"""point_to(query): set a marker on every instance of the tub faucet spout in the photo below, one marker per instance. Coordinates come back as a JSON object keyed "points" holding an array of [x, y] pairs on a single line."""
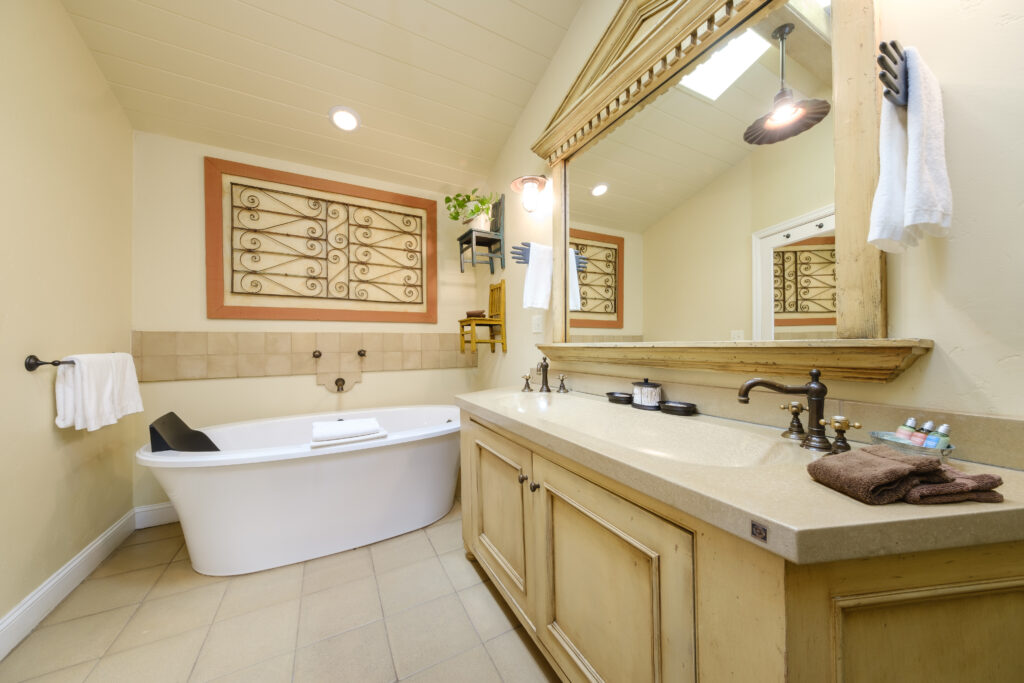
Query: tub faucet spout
{"points": [[815, 392]]}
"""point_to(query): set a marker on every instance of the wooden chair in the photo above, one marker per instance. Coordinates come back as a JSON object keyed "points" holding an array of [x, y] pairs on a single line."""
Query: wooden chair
{"points": [[494, 322]]}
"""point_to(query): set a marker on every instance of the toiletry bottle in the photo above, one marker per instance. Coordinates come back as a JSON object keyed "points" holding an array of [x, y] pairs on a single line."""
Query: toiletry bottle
{"points": [[921, 433], [907, 428], [939, 438]]}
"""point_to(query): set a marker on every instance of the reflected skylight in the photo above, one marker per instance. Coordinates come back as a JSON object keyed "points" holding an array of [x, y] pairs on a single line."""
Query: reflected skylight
{"points": [[713, 77]]}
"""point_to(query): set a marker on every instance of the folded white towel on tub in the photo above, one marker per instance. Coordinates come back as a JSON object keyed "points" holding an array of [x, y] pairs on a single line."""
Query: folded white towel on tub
{"points": [[345, 429], [352, 439]]}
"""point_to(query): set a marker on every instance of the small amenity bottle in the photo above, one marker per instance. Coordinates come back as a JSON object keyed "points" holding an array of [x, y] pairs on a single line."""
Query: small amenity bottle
{"points": [[922, 432], [907, 428], [939, 438]]}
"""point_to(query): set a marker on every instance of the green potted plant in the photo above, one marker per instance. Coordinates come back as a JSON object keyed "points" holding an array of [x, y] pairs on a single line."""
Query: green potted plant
{"points": [[471, 208]]}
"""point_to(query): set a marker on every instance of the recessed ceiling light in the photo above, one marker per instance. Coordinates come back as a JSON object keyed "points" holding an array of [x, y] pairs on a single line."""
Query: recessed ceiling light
{"points": [[599, 190], [344, 118], [714, 76]]}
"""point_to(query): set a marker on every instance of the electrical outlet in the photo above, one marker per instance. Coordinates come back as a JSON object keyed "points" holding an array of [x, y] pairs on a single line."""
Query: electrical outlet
{"points": [[736, 335], [538, 323]]}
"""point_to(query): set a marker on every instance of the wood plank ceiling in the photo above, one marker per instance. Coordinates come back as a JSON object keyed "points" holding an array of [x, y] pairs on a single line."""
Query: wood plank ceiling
{"points": [[438, 84]]}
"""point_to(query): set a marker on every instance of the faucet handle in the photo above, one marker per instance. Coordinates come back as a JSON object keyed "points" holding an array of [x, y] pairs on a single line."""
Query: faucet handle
{"points": [[526, 386], [794, 407], [839, 423]]}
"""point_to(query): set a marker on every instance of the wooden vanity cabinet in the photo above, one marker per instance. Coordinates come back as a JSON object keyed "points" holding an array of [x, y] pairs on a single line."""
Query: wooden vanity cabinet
{"points": [[605, 586], [615, 586]]}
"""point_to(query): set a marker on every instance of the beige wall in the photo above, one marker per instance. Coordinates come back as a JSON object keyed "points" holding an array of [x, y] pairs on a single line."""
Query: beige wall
{"points": [[516, 159], [66, 185], [698, 268], [169, 294]]}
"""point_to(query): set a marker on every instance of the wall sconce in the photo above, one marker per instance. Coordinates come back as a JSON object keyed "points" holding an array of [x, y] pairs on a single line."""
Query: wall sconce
{"points": [[530, 186]]}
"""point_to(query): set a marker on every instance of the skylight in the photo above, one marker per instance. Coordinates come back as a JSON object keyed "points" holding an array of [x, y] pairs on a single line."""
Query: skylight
{"points": [[714, 76]]}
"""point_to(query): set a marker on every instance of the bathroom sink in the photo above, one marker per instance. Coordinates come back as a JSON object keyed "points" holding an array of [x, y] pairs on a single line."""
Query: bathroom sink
{"points": [[698, 440]]}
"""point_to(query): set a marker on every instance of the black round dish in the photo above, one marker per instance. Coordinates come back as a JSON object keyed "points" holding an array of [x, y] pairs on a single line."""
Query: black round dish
{"points": [[620, 397], [643, 407], [678, 408]]}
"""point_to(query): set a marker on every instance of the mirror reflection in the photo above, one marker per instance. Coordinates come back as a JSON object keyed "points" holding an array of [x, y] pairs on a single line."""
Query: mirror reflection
{"points": [[692, 233]]}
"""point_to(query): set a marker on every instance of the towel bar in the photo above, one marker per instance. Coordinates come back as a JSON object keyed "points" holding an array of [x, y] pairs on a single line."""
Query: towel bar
{"points": [[521, 255], [32, 362]]}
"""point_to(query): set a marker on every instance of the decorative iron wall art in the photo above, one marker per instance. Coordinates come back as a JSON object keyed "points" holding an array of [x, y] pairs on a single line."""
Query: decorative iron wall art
{"points": [[285, 246], [804, 278], [601, 281]]}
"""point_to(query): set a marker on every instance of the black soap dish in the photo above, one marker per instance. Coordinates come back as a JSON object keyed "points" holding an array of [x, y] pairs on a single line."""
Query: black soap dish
{"points": [[678, 408], [619, 397]]}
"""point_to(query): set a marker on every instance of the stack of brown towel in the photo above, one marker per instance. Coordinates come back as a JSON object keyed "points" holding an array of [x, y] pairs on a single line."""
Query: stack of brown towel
{"points": [[878, 475]]}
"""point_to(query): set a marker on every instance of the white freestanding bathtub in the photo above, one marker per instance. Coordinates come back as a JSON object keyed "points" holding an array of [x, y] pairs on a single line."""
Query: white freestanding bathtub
{"points": [[268, 499]]}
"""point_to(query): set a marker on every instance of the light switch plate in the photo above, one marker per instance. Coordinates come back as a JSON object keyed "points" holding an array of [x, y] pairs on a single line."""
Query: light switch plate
{"points": [[736, 335], [538, 323]]}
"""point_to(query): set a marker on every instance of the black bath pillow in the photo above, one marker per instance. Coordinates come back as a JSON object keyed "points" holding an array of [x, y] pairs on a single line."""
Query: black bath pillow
{"points": [[170, 433]]}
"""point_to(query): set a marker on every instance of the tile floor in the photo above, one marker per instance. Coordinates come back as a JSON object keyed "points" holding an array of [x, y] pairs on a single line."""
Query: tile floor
{"points": [[409, 608]]}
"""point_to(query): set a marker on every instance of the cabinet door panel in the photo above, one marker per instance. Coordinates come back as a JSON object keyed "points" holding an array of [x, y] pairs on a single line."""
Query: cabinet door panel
{"points": [[499, 473], [615, 597]]}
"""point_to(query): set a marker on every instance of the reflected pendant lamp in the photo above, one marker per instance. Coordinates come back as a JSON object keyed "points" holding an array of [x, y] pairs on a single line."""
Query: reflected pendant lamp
{"points": [[787, 117]]}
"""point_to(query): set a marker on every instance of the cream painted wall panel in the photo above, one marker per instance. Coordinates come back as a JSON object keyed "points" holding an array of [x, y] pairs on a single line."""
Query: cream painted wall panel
{"points": [[515, 160], [967, 292], [66, 186], [169, 256], [169, 247], [333, 144], [539, 26], [214, 138]]}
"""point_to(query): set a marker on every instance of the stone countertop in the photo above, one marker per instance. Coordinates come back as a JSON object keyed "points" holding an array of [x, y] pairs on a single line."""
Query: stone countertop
{"points": [[730, 473]]}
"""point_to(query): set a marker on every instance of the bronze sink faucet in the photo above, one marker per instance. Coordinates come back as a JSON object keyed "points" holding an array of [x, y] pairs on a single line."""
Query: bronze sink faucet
{"points": [[815, 392]]}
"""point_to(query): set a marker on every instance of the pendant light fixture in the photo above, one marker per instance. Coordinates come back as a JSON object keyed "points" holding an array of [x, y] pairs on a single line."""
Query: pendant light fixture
{"points": [[787, 117]]}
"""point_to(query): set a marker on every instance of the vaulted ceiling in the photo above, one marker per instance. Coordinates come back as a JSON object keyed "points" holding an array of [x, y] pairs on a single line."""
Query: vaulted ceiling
{"points": [[438, 84]]}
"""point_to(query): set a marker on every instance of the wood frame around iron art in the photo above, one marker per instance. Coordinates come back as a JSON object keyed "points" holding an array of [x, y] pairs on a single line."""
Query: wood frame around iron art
{"points": [[620, 245], [642, 53], [216, 307]]}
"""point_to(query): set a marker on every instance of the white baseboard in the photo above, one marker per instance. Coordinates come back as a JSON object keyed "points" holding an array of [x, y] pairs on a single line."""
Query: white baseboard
{"points": [[20, 621], [155, 515]]}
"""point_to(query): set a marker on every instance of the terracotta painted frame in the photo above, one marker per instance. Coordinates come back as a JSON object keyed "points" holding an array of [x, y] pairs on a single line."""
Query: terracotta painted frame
{"points": [[214, 168], [620, 243]]}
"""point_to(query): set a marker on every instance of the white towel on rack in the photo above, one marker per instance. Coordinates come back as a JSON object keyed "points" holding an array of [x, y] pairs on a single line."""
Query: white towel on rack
{"points": [[97, 390], [537, 288], [913, 193], [575, 302], [345, 429]]}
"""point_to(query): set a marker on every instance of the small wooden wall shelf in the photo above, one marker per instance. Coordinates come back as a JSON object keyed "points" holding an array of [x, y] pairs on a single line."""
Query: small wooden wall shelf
{"points": [[859, 360]]}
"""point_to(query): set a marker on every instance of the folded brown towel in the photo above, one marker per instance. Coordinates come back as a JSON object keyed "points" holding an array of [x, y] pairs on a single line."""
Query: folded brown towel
{"points": [[975, 487], [876, 474]]}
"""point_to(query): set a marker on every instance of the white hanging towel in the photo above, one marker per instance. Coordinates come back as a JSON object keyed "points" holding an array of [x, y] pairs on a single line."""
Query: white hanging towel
{"points": [[575, 303], [537, 288], [345, 429], [913, 193], [97, 390]]}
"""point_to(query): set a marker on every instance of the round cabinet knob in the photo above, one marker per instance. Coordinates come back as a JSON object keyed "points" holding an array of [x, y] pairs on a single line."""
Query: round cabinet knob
{"points": [[522, 478], [534, 486]]}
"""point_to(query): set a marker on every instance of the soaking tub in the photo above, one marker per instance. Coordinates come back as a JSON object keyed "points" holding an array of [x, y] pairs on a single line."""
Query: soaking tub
{"points": [[268, 498]]}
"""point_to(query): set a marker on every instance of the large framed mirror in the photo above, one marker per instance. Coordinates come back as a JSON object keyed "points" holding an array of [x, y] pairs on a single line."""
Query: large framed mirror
{"points": [[722, 241]]}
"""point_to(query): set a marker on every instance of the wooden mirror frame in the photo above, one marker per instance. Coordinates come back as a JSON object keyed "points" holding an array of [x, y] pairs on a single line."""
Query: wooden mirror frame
{"points": [[640, 56]]}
